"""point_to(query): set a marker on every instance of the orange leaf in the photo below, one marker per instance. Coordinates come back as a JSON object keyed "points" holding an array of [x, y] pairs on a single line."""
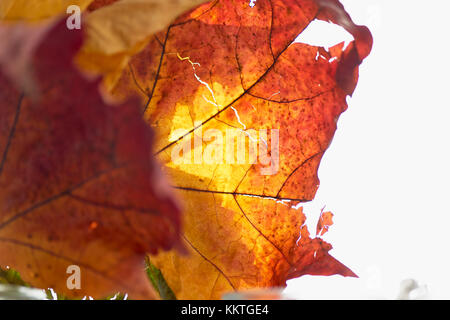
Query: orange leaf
{"points": [[227, 66], [116, 30], [78, 183], [324, 223]]}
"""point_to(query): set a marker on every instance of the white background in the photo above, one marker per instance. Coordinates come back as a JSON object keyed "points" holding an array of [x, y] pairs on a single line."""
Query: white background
{"points": [[386, 175]]}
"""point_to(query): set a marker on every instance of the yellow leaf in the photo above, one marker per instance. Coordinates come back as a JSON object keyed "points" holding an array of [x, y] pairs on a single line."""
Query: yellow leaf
{"points": [[34, 10], [120, 30]]}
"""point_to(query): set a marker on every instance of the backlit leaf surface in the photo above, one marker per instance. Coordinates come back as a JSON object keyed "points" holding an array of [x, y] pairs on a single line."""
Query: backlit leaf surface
{"points": [[230, 66], [78, 182]]}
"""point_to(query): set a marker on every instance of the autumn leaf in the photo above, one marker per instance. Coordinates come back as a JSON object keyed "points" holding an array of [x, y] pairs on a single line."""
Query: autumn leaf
{"points": [[225, 66], [78, 183], [230, 67], [119, 25], [116, 30], [36, 10], [97, 4]]}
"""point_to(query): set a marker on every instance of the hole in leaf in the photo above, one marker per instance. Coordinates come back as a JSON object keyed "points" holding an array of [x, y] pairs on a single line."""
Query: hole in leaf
{"points": [[324, 34]]}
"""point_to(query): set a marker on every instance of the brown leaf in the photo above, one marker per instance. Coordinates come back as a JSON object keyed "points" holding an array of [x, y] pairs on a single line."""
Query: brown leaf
{"points": [[35, 10], [78, 183], [324, 223]]}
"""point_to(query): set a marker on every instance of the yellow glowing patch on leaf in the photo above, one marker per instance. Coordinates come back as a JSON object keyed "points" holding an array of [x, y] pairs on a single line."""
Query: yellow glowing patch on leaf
{"points": [[180, 126], [95, 195], [236, 68]]}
